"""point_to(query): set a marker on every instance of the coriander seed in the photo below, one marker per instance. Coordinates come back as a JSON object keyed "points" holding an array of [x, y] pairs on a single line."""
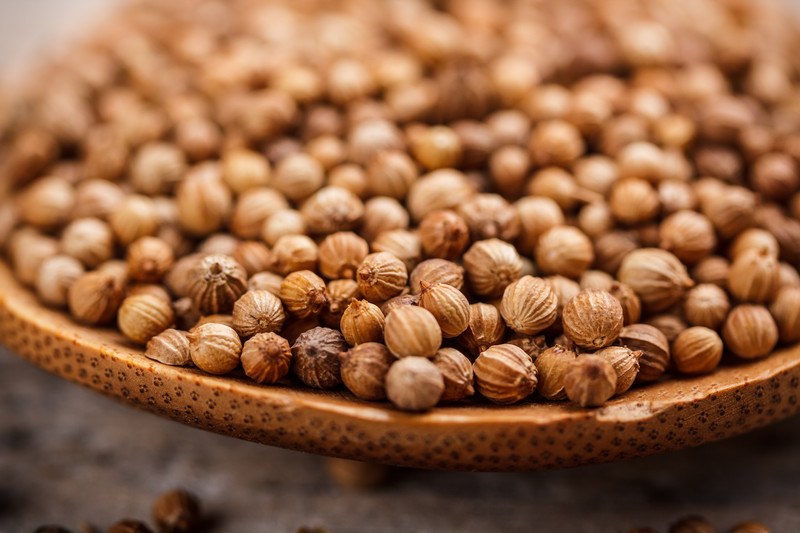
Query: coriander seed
{"points": [[564, 250], [292, 253], [340, 254], [657, 276], [215, 348], [170, 347], [404, 244], [631, 305], [149, 259], [362, 322], [303, 294], [215, 283], [491, 266], [457, 373], [448, 305], [706, 305], [144, 316], [414, 384], [443, 234], [364, 368], [95, 297], [54, 278], [529, 305], [257, 312], [697, 350], [785, 310], [89, 240], [504, 374], [266, 357], [653, 346], [552, 366], [754, 276], [590, 380], [750, 331], [381, 276], [626, 364], [436, 271], [486, 328], [316, 357], [593, 319], [412, 331]]}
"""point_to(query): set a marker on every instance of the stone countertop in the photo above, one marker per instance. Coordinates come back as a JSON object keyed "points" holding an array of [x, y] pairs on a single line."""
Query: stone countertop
{"points": [[69, 455]]}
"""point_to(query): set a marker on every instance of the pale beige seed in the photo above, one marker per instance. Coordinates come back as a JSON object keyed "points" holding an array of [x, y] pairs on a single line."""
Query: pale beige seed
{"points": [[750, 331], [303, 294], [149, 259], [564, 250], [215, 348], [537, 214], [143, 316], [786, 311], [381, 276], [170, 347], [364, 368], [332, 209], [697, 350], [382, 214], [362, 322], [95, 297], [457, 373], [491, 266], [754, 276], [282, 223], [485, 329], [412, 331], [654, 348], [631, 305], [414, 384], [253, 208], [292, 253], [436, 271], [593, 319], [340, 254], [404, 244], [89, 240], [258, 311], [689, 235], [590, 381], [204, 201], [657, 276], [706, 305], [626, 364], [504, 374], [529, 305], [490, 216], [448, 305], [552, 366], [754, 239], [55, 277], [441, 189]]}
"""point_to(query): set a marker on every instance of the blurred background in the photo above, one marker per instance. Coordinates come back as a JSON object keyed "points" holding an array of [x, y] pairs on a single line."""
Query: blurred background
{"points": [[70, 456]]}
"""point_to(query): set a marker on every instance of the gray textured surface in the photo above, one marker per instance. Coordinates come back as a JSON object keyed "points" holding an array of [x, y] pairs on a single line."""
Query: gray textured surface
{"points": [[69, 455]]}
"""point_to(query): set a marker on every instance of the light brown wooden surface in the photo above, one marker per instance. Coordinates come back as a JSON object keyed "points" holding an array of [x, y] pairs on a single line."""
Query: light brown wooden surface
{"points": [[665, 416]]}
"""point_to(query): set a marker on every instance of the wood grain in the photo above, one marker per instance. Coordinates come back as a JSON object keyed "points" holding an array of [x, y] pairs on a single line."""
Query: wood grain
{"points": [[670, 415]]}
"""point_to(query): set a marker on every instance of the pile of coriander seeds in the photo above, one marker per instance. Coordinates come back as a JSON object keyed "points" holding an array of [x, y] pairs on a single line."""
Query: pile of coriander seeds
{"points": [[419, 201]]}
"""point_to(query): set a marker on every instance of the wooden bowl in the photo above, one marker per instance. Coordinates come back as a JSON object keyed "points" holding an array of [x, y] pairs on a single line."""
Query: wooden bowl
{"points": [[670, 415]]}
